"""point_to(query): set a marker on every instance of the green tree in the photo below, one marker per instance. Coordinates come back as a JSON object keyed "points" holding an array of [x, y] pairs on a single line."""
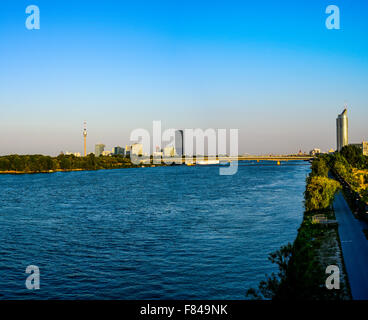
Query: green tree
{"points": [[319, 167], [5, 164], [354, 156], [320, 192]]}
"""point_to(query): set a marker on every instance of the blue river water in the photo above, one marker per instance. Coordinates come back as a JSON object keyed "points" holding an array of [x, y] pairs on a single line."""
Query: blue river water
{"points": [[147, 233]]}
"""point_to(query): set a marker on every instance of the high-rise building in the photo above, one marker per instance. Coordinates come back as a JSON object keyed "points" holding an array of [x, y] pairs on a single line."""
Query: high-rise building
{"points": [[342, 130], [118, 151], [179, 142], [99, 149]]}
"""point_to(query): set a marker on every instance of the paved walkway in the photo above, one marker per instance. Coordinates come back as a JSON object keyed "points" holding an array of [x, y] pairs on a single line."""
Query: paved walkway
{"points": [[354, 248]]}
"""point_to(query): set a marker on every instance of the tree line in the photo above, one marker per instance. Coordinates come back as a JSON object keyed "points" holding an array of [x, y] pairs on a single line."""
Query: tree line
{"points": [[301, 275], [41, 163]]}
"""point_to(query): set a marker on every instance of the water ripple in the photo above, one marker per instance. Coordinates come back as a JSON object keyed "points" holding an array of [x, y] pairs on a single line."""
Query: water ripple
{"points": [[153, 233]]}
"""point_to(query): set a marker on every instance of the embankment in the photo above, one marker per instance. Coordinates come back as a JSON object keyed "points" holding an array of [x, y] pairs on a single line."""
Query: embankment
{"points": [[302, 264]]}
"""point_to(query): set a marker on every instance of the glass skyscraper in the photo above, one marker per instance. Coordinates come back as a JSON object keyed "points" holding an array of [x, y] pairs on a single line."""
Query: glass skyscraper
{"points": [[342, 130], [179, 142], [99, 148]]}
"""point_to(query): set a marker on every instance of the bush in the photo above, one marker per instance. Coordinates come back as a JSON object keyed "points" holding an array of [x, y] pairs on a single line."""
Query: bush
{"points": [[354, 156], [319, 168], [320, 193]]}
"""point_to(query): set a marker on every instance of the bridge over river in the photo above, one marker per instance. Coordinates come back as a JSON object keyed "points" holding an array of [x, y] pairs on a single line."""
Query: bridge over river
{"points": [[268, 158], [278, 159]]}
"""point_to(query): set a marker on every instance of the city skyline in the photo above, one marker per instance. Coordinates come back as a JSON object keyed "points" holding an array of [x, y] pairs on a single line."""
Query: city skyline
{"points": [[342, 134], [280, 77]]}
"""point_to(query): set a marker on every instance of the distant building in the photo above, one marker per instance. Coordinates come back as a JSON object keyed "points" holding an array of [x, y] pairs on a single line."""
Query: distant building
{"points": [[179, 142], [99, 148], [314, 152], [127, 150], [363, 146], [136, 149], [169, 151], [342, 130], [106, 153], [118, 151], [76, 154], [157, 154]]}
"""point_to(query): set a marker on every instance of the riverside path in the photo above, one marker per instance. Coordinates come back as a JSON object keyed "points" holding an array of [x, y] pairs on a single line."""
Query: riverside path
{"points": [[354, 248]]}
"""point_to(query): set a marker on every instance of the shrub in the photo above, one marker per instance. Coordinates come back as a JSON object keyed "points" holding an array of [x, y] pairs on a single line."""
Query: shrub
{"points": [[320, 193], [319, 168]]}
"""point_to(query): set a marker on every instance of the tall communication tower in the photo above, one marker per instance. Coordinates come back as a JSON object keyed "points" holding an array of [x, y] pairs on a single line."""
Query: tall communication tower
{"points": [[85, 138]]}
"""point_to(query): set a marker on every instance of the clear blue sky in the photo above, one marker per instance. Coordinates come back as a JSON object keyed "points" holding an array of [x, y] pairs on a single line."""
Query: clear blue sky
{"points": [[269, 68]]}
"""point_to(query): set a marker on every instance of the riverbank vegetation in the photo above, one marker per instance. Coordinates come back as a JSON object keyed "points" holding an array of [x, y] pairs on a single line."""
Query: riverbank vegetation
{"points": [[352, 166], [41, 163], [301, 266]]}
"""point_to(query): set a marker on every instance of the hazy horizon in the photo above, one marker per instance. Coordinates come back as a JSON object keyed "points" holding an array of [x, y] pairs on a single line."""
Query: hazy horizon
{"points": [[273, 71]]}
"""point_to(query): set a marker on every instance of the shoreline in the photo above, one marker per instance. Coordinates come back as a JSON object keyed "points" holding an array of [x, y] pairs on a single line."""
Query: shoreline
{"points": [[12, 172], [319, 239], [302, 263], [34, 172], [128, 166]]}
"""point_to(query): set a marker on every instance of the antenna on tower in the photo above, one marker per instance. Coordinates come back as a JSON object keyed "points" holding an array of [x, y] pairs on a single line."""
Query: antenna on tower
{"points": [[345, 105]]}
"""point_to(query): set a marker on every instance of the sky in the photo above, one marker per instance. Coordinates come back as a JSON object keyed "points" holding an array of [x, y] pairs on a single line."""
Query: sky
{"points": [[268, 68]]}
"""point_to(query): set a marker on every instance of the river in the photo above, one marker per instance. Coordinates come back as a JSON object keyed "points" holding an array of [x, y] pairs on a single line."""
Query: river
{"points": [[147, 233]]}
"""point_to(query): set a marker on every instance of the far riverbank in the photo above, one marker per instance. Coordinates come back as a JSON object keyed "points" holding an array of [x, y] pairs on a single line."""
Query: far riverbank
{"points": [[30, 164]]}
